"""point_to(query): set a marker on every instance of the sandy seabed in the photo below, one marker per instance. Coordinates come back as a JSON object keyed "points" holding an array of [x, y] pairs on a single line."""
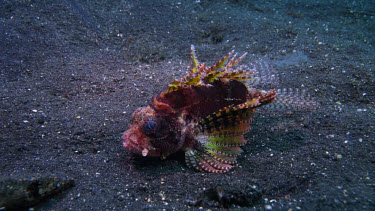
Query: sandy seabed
{"points": [[72, 73]]}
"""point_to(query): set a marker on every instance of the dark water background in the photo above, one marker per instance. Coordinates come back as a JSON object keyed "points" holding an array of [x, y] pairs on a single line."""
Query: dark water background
{"points": [[72, 72]]}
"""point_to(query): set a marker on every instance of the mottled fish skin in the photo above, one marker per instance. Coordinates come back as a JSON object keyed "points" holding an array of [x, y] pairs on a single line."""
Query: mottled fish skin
{"points": [[18, 194], [205, 114]]}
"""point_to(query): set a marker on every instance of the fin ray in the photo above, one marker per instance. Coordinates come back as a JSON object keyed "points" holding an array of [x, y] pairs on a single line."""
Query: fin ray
{"points": [[294, 99], [200, 75], [220, 136]]}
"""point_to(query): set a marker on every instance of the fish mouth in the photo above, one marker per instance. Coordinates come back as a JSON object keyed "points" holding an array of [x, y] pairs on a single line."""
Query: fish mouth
{"points": [[137, 143]]}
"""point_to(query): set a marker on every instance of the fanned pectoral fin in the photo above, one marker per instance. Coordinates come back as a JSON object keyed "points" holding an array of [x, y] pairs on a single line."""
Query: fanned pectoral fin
{"points": [[202, 160], [293, 99], [215, 156], [220, 136]]}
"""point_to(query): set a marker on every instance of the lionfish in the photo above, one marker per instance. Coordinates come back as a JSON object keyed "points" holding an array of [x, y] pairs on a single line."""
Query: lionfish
{"points": [[205, 114]]}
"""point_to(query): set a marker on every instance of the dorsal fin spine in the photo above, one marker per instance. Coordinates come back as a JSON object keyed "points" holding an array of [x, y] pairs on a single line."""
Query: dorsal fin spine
{"points": [[194, 61]]}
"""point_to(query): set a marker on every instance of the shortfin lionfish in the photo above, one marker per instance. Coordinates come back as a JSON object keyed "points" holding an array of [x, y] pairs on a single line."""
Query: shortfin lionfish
{"points": [[205, 114]]}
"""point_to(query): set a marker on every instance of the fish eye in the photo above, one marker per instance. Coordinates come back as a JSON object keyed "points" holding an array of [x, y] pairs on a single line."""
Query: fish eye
{"points": [[149, 127]]}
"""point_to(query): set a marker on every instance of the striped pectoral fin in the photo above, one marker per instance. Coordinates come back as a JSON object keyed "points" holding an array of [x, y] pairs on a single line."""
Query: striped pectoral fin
{"points": [[231, 120], [219, 138], [214, 156], [267, 97], [293, 99], [205, 161]]}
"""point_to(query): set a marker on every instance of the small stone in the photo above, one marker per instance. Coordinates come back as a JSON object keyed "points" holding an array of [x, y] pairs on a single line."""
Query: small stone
{"points": [[337, 156]]}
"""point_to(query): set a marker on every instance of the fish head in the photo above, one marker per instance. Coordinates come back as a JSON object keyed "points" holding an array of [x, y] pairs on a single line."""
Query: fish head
{"points": [[145, 133]]}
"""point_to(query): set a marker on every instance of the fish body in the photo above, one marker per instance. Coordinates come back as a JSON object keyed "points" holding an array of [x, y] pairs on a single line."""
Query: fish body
{"points": [[25, 193], [205, 114]]}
